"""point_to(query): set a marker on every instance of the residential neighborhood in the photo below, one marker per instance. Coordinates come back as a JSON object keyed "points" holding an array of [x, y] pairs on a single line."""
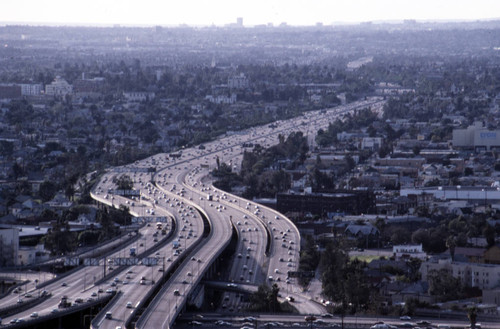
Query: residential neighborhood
{"points": [[404, 195]]}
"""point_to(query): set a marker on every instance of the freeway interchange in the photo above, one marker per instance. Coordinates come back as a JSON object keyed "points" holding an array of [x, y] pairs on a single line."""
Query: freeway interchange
{"points": [[164, 263]]}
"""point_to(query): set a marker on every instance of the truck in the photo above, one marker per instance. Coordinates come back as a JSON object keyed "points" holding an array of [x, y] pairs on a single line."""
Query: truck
{"points": [[175, 244], [132, 251]]}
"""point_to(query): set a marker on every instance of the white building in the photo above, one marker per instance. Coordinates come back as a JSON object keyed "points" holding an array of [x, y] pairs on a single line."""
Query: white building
{"points": [[138, 96], [31, 89], [409, 251], [476, 137], [371, 143], [483, 276], [238, 82], [59, 87], [32, 255], [221, 99]]}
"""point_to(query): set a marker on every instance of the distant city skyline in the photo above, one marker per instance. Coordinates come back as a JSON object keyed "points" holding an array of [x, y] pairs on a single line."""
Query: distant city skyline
{"points": [[256, 12]]}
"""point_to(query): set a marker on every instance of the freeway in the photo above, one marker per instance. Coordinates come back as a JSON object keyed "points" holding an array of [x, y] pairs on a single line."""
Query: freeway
{"points": [[283, 251], [270, 240], [188, 233]]}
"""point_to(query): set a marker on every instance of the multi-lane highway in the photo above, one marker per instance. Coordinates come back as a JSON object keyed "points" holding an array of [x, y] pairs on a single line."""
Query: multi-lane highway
{"points": [[179, 190]]}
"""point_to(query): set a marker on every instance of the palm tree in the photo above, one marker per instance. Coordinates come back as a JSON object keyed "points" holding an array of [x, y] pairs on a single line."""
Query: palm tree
{"points": [[451, 244], [472, 315]]}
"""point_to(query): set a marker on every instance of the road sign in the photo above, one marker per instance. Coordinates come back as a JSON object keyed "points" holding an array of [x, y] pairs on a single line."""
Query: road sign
{"points": [[74, 261], [91, 262], [128, 261], [149, 261]]}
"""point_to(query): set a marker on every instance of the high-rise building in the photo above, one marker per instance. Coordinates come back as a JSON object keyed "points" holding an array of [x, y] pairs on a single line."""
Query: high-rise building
{"points": [[239, 21]]}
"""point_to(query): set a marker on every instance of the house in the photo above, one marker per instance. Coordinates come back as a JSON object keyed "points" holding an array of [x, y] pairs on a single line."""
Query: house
{"points": [[471, 255], [371, 143], [492, 255], [417, 290], [59, 202], [366, 232]]}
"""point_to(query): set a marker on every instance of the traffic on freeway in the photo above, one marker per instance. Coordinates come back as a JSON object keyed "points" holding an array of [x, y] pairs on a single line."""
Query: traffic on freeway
{"points": [[176, 194]]}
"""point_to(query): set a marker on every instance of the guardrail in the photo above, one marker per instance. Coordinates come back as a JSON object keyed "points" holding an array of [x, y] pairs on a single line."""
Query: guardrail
{"points": [[199, 277], [115, 297]]}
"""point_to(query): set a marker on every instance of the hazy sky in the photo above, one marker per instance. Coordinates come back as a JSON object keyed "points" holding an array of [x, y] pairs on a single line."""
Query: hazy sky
{"points": [[221, 12]]}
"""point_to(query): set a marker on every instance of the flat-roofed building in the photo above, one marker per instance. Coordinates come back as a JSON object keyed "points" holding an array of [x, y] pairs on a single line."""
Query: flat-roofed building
{"points": [[476, 137], [483, 276]]}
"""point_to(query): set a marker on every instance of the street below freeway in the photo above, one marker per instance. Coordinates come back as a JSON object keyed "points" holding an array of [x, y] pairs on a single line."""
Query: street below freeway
{"points": [[207, 320]]}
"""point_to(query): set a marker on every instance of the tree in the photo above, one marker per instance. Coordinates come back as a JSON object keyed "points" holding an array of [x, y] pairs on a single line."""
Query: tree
{"points": [[47, 190], [17, 170], [472, 315], [489, 234], [451, 244], [444, 286], [124, 182], [60, 240]]}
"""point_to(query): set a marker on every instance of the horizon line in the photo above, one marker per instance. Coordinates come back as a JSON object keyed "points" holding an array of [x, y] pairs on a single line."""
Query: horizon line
{"points": [[233, 24]]}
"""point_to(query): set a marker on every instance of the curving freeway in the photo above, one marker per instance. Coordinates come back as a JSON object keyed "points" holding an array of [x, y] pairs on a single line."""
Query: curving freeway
{"points": [[178, 193]]}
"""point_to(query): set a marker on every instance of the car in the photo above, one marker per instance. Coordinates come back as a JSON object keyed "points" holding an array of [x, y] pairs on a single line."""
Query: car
{"points": [[195, 323], [424, 323], [28, 295], [327, 315], [129, 305], [108, 315], [176, 292], [405, 318], [109, 291], [34, 315], [64, 284], [290, 299], [184, 282]]}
